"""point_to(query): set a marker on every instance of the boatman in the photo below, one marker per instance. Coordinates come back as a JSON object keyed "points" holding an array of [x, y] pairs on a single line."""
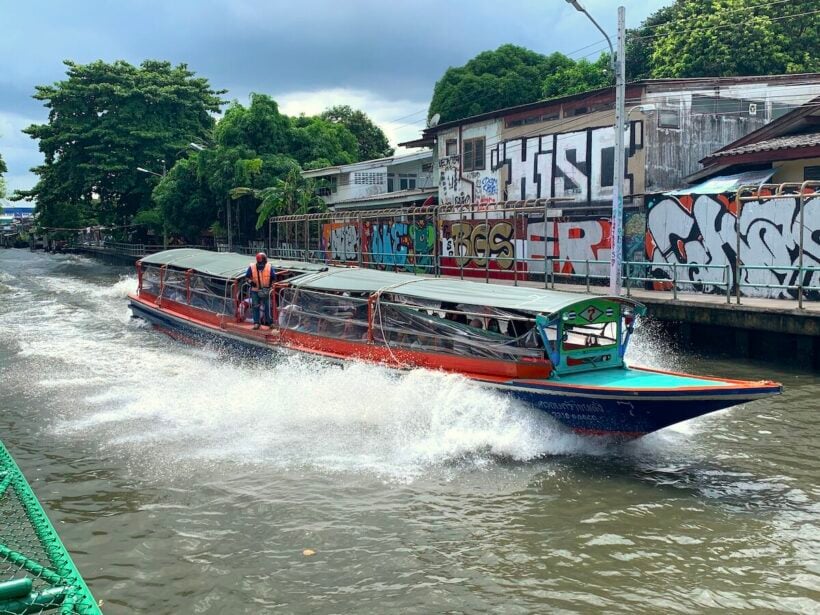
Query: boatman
{"points": [[262, 276]]}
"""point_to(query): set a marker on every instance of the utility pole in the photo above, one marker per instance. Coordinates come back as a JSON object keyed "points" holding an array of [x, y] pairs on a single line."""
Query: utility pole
{"points": [[617, 231], [616, 238]]}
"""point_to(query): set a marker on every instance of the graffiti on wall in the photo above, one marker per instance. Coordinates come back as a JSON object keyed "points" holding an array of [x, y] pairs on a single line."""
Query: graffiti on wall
{"points": [[387, 244], [703, 230], [575, 164], [569, 244], [477, 246], [499, 248]]}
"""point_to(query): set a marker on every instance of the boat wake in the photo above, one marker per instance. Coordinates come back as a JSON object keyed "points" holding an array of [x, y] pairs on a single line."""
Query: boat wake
{"points": [[165, 406], [295, 413]]}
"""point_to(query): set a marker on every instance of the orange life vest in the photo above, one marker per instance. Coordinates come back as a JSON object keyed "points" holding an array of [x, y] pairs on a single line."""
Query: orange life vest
{"points": [[260, 278]]}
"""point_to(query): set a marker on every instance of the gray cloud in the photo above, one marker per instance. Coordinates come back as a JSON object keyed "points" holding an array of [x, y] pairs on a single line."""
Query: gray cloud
{"points": [[396, 50]]}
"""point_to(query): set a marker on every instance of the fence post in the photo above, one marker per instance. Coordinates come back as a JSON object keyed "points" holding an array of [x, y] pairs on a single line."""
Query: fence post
{"points": [[800, 260], [728, 273], [515, 250], [628, 267], [487, 243], [674, 280], [587, 273]]}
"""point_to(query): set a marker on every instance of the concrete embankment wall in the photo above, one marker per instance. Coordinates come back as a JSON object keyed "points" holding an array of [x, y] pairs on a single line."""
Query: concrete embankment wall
{"points": [[777, 334]]}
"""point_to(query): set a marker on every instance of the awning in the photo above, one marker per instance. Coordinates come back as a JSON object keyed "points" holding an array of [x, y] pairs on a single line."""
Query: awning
{"points": [[727, 183], [447, 290]]}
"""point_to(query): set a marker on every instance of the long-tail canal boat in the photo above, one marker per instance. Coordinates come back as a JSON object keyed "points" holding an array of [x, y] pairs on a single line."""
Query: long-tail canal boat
{"points": [[560, 352]]}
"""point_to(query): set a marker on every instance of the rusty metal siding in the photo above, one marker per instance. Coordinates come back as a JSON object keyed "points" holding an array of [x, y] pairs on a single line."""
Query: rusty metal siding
{"points": [[674, 153]]}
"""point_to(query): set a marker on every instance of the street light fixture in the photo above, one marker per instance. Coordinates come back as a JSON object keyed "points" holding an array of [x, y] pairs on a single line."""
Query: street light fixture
{"points": [[229, 230], [619, 66], [164, 223]]}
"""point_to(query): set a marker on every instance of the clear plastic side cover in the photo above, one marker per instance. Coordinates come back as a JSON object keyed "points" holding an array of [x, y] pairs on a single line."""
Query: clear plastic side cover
{"points": [[206, 293], [463, 330], [150, 279], [340, 316]]}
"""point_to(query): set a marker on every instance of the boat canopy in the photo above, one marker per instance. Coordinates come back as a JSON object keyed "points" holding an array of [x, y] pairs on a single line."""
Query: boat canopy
{"points": [[535, 300], [220, 264]]}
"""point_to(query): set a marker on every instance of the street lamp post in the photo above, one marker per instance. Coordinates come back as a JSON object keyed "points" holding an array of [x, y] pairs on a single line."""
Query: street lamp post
{"points": [[164, 223], [619, 66], [201, 148]]}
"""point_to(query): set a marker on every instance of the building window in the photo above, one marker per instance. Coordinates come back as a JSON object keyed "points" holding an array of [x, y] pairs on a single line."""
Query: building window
{"points": [[473, 157], [407, 181], [327, 186], [391, 183], [811, 173], [668, 118], [368, 178], [344, 179], [427, 167], [722, 105], [451, 147]]}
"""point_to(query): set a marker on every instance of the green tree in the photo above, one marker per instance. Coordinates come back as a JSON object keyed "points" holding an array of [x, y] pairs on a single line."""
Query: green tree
{"points": [[703, 38], [105, 120], [259, 127], [578, 77], [292, 194], [316, 142], [510, 76], [372, 142]]}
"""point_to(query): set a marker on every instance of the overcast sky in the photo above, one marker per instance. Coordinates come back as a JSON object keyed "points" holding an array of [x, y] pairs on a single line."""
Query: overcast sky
{"points": [[382, 56]]}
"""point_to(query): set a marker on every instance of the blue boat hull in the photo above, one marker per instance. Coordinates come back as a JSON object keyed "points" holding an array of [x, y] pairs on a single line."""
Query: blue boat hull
{"points": [[621, 413]]}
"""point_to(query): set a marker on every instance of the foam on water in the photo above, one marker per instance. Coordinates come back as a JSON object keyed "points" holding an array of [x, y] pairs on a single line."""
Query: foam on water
{"points": [[155, 399]]}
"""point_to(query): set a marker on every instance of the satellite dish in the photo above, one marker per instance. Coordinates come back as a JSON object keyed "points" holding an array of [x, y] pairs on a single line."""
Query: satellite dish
{"points": [[433, 121]]}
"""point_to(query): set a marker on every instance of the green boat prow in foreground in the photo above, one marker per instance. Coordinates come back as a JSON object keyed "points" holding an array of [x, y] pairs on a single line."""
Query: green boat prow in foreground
{"points": [[36, 571]]}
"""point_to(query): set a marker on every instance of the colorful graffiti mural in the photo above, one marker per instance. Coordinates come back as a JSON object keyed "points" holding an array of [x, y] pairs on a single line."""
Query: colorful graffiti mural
{"points": [[387, 244], [703, 230], [478, 247]]}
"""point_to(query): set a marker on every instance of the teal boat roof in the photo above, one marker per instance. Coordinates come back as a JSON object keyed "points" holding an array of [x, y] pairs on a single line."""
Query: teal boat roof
{"points": [[221, 264], [450, 290]]}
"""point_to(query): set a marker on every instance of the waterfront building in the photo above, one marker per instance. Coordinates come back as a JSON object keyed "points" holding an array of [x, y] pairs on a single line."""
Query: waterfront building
{"points": [[394, 181]]}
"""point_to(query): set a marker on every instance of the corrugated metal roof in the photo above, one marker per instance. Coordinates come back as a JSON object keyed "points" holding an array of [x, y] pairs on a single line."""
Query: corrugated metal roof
{"points": [[811, 139], [367, 164], [448, 290]]}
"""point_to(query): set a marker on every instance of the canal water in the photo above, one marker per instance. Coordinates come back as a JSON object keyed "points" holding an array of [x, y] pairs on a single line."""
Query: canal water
{"points": [[185, 481]]}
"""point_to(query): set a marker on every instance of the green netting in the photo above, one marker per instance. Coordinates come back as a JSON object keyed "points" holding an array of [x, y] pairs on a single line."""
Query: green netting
{"points": [[36, 572]]}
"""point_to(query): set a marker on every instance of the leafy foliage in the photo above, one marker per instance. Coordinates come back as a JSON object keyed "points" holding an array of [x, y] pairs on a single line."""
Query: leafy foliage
{"points": [[372, 142], [257, 154], [506, 77], [105, 120], [291, 194], [701, 38], [578, 77], [688, 38]]}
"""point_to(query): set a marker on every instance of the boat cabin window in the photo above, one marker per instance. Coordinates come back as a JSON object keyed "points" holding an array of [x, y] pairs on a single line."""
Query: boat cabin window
{"points": [[589, 336], [473, 331], [200, 291], [336, 315], [150, 277], [211, 294]]}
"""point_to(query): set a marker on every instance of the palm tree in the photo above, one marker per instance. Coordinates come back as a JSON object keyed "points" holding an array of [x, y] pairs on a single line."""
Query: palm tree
{"points": [[290, 195]]}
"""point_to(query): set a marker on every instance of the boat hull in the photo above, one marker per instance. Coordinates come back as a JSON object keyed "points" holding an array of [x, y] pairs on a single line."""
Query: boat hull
{"points": [[618, 412]]}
